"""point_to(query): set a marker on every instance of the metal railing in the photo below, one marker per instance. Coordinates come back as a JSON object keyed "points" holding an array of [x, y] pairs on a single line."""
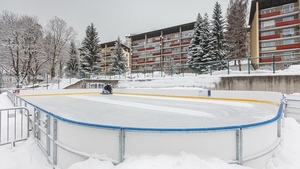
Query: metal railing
{"points": [[14, 125], [292, 107], [272, 63], [50, 134]]}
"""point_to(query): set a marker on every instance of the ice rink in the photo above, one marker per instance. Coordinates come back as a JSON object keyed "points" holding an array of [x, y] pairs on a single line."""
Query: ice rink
{"points": [[154, 111]]}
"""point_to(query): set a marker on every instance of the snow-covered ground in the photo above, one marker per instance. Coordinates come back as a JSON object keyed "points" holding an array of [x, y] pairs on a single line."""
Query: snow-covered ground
{"points": [[27, 155]]}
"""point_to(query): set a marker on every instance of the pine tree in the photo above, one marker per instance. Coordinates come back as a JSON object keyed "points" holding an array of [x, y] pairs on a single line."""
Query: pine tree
{"points": [[90, 51], [204, 47], [217, 44], [193, 57], [72, 64], [119, 60]]}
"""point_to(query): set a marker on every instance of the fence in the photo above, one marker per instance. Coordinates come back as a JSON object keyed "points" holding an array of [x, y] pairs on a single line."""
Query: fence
{"points": [[267, 63], [65, 141], [14, 125], [293, 107]]}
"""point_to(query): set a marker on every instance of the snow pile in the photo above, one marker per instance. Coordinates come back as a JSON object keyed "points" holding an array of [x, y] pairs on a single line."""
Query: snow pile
{"points": [[182, 161], [293, 69], [195, 81], [288, 153]]}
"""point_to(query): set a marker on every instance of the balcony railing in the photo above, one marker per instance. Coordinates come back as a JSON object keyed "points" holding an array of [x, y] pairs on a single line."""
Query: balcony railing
{"points": [[280, 35], [281, 23], [279, 12], [282, 45]]}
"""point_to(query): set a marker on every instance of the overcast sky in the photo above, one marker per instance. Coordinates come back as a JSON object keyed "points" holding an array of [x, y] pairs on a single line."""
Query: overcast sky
{"points": [[114, 18]]}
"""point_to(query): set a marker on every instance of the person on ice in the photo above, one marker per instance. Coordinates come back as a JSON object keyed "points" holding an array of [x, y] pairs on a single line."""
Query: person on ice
{"points": [[108, 88]]}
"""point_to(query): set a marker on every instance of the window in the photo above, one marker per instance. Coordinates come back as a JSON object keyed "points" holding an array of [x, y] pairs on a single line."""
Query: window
{"points": [[288, 32], [187, 33], [268, 44], [268, 24], [186, 40], [287, 8], [267, 33], [269, 55], [269, 10], [290, 18], [167, 44], [288, 55], [288, 41], [176, 49]]}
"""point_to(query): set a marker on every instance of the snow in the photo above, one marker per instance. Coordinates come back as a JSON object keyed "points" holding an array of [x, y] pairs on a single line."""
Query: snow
{"points": [[27, 155]]}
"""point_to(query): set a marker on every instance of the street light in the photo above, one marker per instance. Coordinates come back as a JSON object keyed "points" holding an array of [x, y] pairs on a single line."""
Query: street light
{"points": [[161, 56]]}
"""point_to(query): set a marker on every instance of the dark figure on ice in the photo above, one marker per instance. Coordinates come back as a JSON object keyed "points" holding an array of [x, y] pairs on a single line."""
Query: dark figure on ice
{"points": [[108, 88]]}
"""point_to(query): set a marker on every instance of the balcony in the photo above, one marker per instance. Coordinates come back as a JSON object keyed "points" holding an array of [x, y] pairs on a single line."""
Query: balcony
{"points": [[283, 23], [280, 24], [183, 58], [156, 54], [184, 43], [270, 14], [276, 59], [269, 37], [282, 44], [279, 13], [287, 34], [289, 46]]}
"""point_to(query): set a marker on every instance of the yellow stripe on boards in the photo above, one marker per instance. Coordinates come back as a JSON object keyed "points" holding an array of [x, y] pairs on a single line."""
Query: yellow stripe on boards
{"points": [[159, 95]]}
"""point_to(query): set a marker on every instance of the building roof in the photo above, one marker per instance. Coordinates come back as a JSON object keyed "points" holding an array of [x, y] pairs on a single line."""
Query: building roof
{"points": [[169, 30], [112, 43], [264, 4]]}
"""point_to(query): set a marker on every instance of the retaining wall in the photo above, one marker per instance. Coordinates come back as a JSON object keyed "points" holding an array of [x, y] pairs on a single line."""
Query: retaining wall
{"points": [[280, 83], [287, 84]]}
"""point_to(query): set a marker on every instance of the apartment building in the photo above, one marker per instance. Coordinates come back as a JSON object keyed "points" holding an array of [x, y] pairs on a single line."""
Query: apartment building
{"points": [[274, 31], [160, 49], [107, 50]]}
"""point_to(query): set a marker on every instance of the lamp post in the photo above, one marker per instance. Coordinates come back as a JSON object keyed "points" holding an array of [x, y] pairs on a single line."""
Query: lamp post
{"points": [[0, 81], [58, 78], [92, 67], [47, 80], [145, 60], [161, 54]]}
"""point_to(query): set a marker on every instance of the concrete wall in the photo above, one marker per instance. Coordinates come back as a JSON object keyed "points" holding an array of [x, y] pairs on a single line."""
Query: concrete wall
{"points": [[287, 84], [83, 83], [280, 83]]}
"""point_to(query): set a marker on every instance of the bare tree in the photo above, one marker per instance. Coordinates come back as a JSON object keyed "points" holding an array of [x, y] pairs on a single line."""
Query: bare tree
{"points": [[58, 34], [32, 40], [236, 29], [20, 38], [10, 34]]}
